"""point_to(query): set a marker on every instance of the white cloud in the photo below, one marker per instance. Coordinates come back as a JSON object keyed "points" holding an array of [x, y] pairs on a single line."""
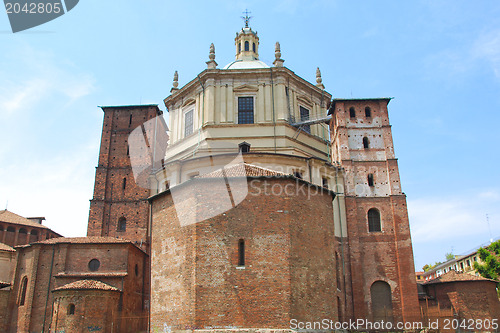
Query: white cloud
{"points": [[36, 76], [449, 218], [487, 47]]}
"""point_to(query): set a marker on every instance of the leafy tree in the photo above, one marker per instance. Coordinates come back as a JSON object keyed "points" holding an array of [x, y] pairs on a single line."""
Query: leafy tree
{"points": [[490, 256], [429, 267], [449, 256]]}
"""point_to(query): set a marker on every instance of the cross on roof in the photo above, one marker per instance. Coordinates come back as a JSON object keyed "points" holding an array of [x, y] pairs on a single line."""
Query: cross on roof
{"points": [[246, 17]]}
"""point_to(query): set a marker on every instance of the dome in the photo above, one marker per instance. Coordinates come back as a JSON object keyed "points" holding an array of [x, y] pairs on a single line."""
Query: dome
{"points": [[246, 64]]}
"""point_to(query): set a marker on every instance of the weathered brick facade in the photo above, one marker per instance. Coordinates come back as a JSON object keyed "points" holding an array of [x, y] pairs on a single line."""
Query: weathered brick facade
{"points": [[362, 145], [51, 264], [117, 196], [289, 268]]}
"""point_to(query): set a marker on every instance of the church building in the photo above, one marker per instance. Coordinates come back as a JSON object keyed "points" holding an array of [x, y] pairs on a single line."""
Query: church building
{"points": [[265, 201]]}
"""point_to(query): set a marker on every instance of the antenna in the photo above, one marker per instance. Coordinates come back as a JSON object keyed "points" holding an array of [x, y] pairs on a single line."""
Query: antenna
{"points": [[7, 204]]}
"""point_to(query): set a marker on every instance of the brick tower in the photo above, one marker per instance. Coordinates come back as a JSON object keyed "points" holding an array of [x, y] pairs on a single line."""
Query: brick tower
{"points": [[381, 255], [119, 207]]}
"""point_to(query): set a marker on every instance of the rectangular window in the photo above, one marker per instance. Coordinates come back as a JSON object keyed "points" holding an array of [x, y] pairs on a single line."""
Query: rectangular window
{"points": [[304, 116], [188, 123], [241, 252], [245, 110]]}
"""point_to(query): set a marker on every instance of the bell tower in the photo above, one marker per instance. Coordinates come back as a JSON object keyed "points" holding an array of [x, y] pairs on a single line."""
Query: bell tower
{"points": [[247, 42], [381, 255]]}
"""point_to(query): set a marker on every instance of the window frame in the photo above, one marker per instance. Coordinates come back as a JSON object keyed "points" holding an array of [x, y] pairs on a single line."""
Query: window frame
{"points": [[253, 96], [184, 114], [370, 224], [305, 128]]}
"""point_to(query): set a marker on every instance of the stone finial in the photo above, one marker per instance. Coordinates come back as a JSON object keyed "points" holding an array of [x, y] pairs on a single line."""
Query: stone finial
{"points": [[175, 84], [211, 64], [278, 62], [319, 80]]}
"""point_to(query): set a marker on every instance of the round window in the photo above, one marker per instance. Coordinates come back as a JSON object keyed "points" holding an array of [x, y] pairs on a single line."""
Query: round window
{"points": [[94, 265]]}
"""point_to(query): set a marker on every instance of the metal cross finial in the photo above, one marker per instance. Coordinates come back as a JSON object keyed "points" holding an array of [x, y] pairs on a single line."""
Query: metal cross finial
{"points": [[246, 17]]}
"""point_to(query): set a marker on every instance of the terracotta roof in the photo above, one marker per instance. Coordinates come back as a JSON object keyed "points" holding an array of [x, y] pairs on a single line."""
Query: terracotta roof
{"points": [[243, 170], [92, 274], [5, 247], [87, 285], [4, 284], [84, 240], [453, 276], [9, 217]]}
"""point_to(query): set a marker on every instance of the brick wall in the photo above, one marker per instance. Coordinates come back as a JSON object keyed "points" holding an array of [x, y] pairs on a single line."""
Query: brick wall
{"points": [[289, 269]]}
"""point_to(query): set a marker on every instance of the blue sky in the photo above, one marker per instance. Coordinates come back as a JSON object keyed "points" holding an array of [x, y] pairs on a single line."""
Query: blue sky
{"points": [[440, 60]]}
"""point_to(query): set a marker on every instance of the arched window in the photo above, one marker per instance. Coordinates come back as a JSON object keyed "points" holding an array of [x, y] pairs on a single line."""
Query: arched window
{"points": [[124, 183], [71, 309], [241, 252], [122, 224], [370, 180], [130, 121], [352, 112], [239, 48], [247, 46], [136, 270], [374, 220], [381, 301], [253, 47], [366, 143], [22, 294], [368, 112]]}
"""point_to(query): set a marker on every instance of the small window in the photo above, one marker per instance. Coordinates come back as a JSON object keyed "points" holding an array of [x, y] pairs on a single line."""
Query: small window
{"points": [[352, 112], [130, 121], [245, 110], [297, 174], [370, 179], [253, 47], [239, 48], [324, 182], [124, 185], [368, 112], [94, 265], [304, 116], [247, 46], [22, 294], [241, 252], [122, 224], [462, 266], [128, 151], [366, 143], [468, 262], [34, 232], [71, 309], [244, 147], [374, 220], [188, 123], [136, 270]]}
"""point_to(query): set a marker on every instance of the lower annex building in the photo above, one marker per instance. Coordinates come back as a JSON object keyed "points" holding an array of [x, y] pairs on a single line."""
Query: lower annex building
{"points": [[271, 202]]}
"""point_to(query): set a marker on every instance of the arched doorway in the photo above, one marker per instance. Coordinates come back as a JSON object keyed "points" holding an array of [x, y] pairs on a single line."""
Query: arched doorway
{"points": [[381, 297]]}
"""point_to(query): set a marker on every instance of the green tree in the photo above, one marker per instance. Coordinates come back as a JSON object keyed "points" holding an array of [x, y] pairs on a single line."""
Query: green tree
{"points": [[449, 256], [429, 267], [490, 256]]}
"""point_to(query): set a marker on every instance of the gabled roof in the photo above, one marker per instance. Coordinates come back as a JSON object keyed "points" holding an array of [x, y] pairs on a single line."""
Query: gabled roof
{"points": [[453, 276], [87, 285], [9, 217], [5, 247]]}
